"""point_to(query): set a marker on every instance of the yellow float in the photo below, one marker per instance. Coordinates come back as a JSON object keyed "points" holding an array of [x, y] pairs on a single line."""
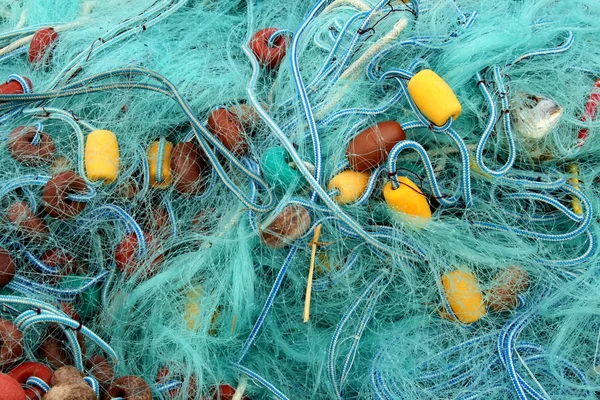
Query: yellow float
{"points": [[350, 185], [166, 178], [101, 156], [464, 296], [433, 97], [407, 199]]}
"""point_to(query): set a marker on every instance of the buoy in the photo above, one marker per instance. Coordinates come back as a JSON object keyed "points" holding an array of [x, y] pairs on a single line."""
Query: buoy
{"points": [[11, 343], [287, 227], [186, 168], [10, 389], [573, 169], [350, 185], [463, 295], [28, 150], [370, 148], [7, 267], [14, 86], [56, 202], [102, 156], [164, 180], [22, 372], [269, 56], [126, 255], [42, 44], [227, 128], [130, 387], [275, 167], [433, 97], [407, 199]]}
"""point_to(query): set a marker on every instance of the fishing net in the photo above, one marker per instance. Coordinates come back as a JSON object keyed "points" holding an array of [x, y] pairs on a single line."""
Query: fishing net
{"points": [[347, 199]]}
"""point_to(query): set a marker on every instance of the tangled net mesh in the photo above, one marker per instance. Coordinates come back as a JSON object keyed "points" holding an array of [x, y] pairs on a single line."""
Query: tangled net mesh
{"points": [[202, 300]]}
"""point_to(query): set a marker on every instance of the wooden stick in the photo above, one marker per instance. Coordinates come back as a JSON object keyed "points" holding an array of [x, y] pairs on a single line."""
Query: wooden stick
{"points": [[311, 270], [233, 323], [23, 41]]}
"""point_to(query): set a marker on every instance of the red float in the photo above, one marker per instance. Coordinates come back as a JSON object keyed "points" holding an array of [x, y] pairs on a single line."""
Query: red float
{"points": [[27, 370], [10, 389], [227, 128], [56, 202], [268, 56], [14, 87], [22, 148], [42, 44], [126, 255]]}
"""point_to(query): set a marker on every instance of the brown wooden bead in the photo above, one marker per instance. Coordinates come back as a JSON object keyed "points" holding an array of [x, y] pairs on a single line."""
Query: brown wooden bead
{"points": [[507, 284], [288, 226], [11, 343], [21, 147], [20, 214], [226, 127], [68, 384], [247, 115], [56, 203], [130, 388], [101, 369], [371, 147], [7, 267], [186, 167], [54, 352]]}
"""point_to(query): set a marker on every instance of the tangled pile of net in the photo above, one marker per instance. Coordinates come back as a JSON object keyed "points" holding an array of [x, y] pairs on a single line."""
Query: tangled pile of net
{"points": [[461, 263]]}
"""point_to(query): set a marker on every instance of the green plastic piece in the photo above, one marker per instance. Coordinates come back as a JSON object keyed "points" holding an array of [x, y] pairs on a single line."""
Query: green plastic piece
{"points": [[88, 302], [277, 172]]}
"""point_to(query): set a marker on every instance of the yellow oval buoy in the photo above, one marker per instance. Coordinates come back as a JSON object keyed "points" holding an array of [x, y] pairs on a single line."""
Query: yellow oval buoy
{"points": [[350, 184], [407, 198], [101, 156], [166, 178], [192, 308], [464, 296], [433, 97]]}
